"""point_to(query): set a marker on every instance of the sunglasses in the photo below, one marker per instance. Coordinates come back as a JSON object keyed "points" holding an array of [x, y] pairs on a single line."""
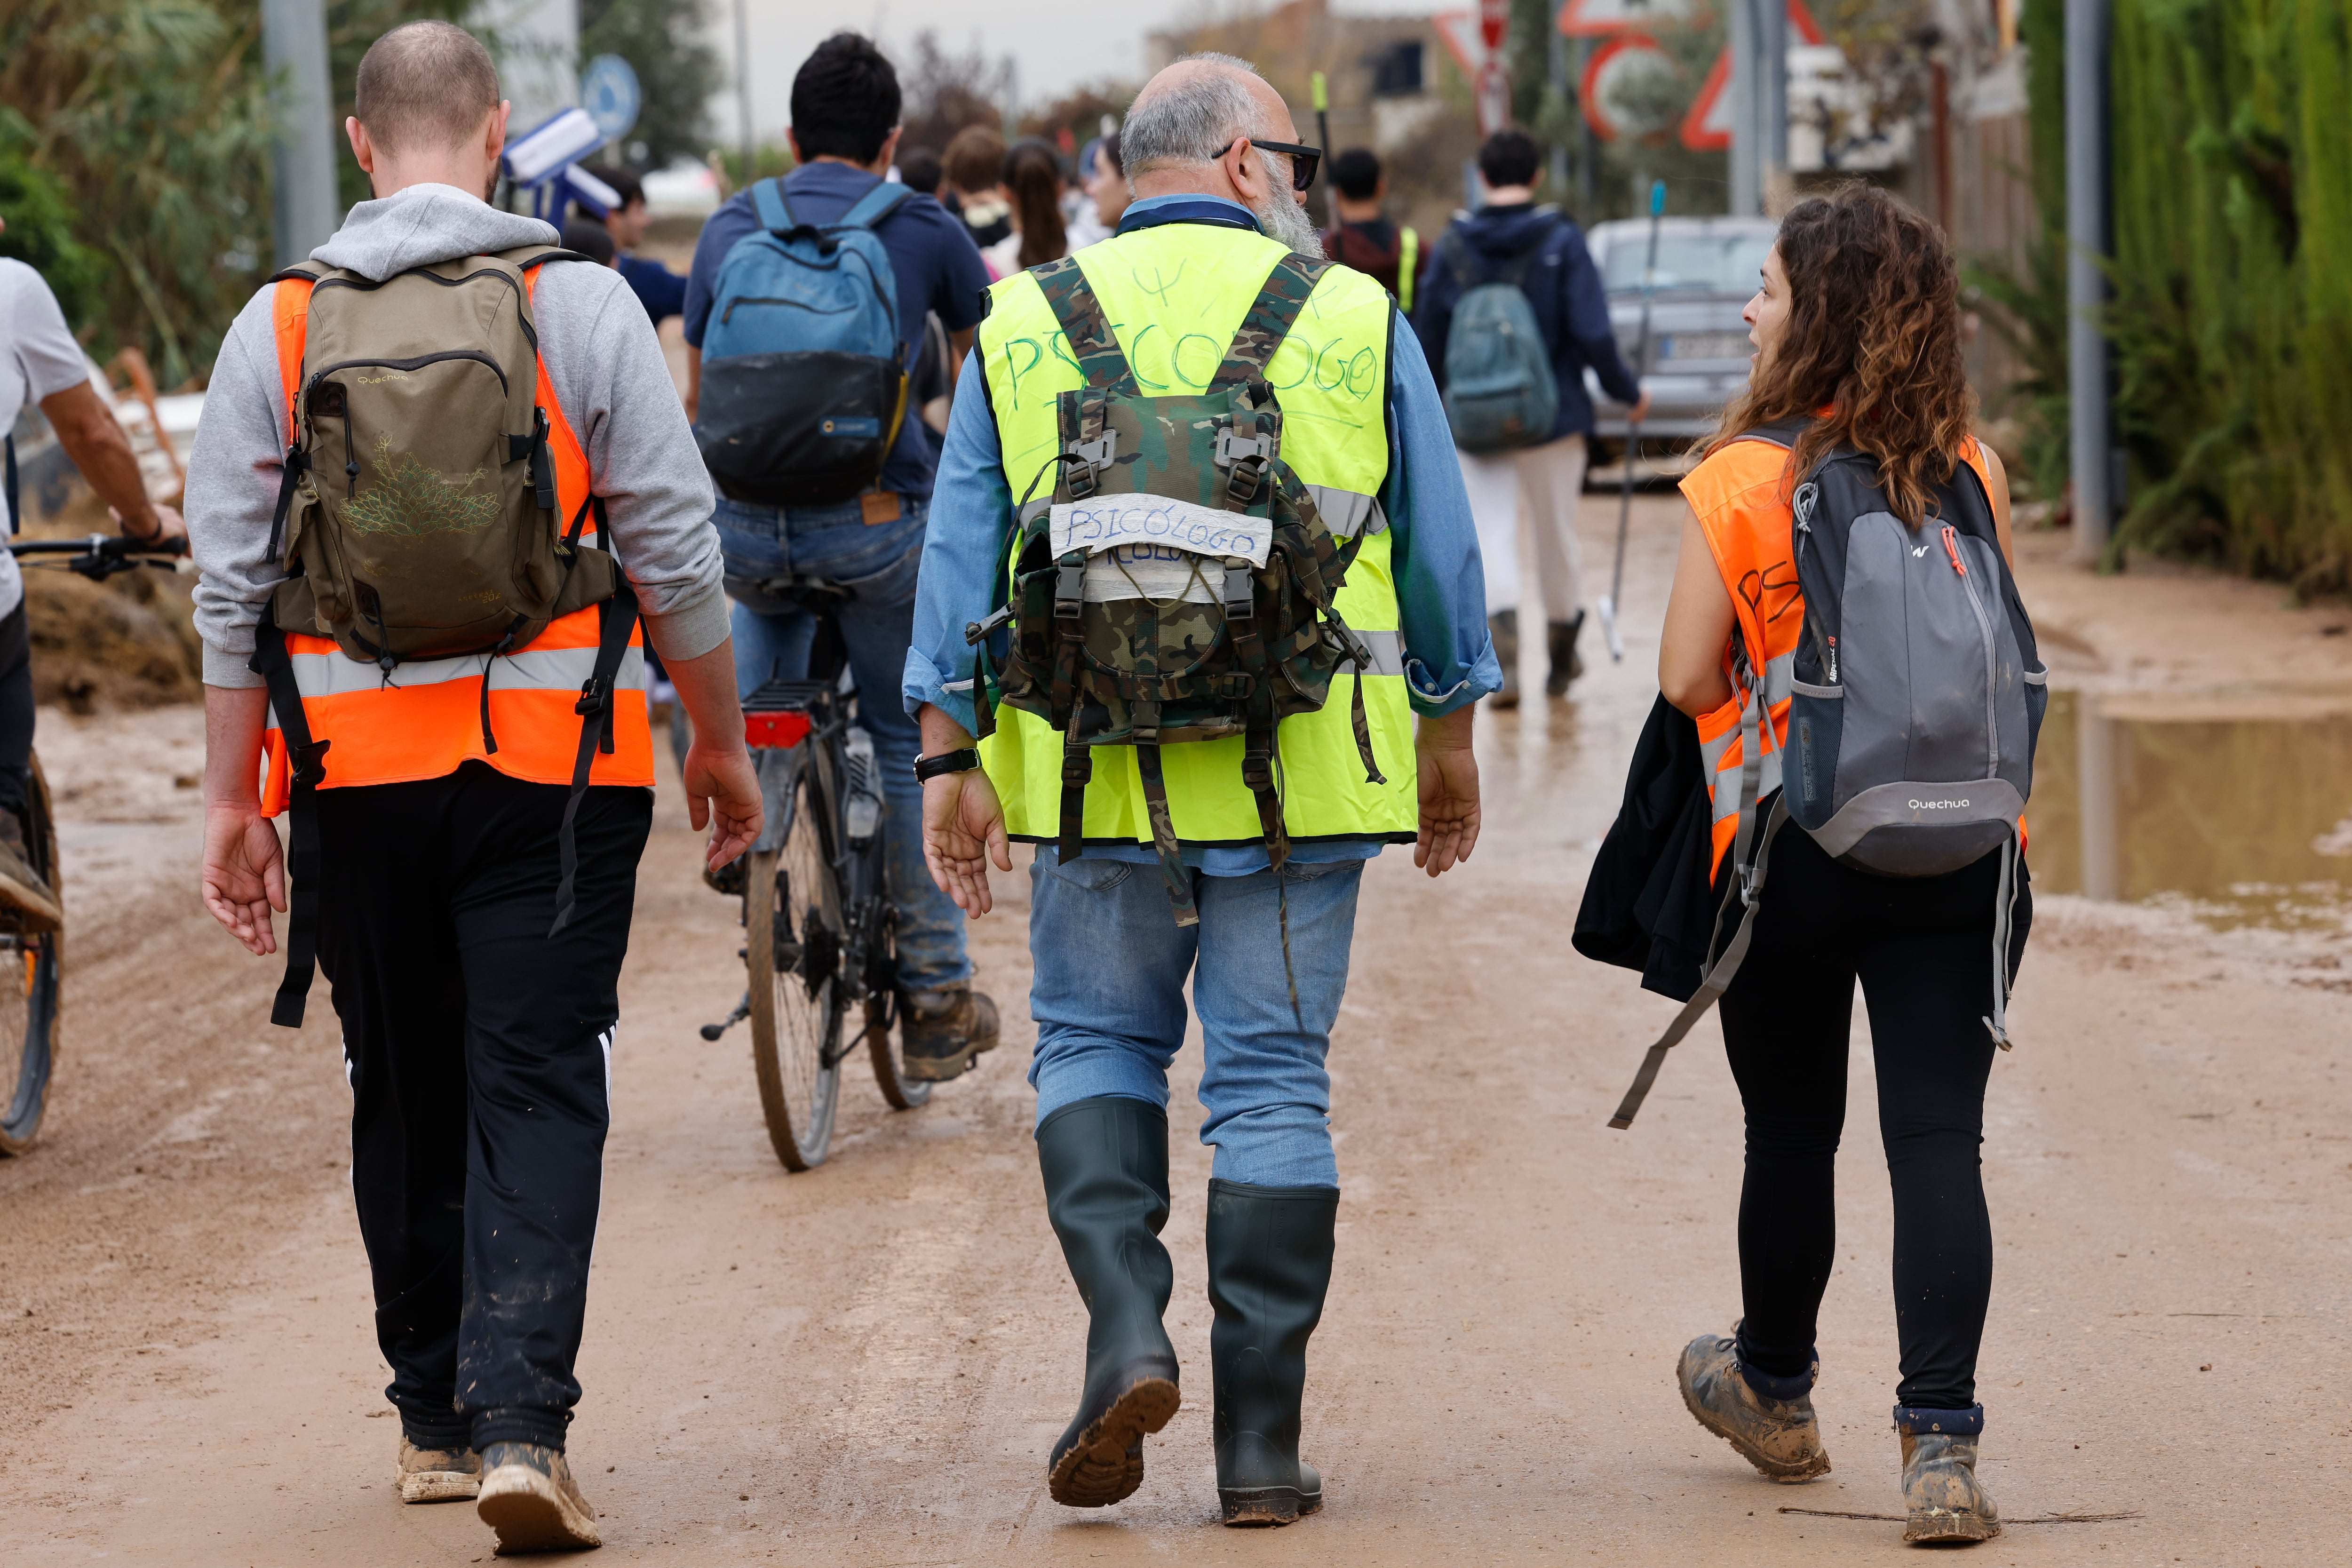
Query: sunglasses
{"points": [[1303, 161]]}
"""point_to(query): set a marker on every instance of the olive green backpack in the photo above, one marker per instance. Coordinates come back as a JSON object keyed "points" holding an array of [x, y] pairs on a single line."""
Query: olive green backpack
{"points": [[1215, 617], [418, 512]]}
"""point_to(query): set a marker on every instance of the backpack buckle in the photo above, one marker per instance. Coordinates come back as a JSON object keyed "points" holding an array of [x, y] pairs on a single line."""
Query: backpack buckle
{"points": [[309, 762], [977, 632], [1240, 595], [595, 696], [1091, 459], [1070, 587], [1231, 448]]}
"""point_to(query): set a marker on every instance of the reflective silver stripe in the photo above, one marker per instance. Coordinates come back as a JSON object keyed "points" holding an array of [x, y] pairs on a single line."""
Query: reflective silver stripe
{"points": [[1388, 652], [1035, 510], [1781, 678], [1347, 512], [550, 669]]}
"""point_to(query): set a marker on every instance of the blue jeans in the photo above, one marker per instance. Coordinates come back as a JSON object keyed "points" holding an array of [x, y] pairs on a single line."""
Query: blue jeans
{"points": [[774, 638], [1108, 999]]}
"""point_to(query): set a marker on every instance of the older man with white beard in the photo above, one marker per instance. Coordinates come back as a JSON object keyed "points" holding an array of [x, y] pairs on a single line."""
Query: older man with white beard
{"points": [[1212, 297]]}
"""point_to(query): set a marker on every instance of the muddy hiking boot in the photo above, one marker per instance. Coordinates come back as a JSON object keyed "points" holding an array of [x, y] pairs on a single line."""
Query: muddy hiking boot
{"points": [[31, 904], [530, 1497], [1503, 625], [439, 1475], [942, 1032], [1105, 1164], [1566, 664], [1942, 1499], [1768, 1420], [1269, 1266]]}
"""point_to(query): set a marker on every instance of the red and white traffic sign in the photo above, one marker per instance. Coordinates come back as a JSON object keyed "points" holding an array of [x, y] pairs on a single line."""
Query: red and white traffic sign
{"points": [[1598, 18], [1708, 127], [1623, 58]]}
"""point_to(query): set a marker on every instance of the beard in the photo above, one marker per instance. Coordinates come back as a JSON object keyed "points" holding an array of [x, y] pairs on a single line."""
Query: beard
{"points": [[1285, 220]]}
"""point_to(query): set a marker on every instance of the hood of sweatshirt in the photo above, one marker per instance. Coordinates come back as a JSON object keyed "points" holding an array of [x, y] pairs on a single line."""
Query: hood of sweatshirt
{"points": [[423, 224], [1500, 232]]}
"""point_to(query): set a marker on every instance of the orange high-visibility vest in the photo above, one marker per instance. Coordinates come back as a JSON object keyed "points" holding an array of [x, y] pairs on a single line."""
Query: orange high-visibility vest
{"points": [[424, 720], [1744, 496]]}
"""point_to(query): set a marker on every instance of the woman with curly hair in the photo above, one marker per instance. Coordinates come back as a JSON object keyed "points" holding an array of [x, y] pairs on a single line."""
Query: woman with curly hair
{"points": [[1857, 333]]}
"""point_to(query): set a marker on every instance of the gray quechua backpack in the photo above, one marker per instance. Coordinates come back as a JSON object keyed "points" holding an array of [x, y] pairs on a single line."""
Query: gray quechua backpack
{"points": [[1915, 696]]}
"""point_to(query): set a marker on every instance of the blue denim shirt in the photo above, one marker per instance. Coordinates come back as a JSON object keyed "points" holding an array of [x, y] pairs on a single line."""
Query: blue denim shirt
{"points": [[1441, 586]]}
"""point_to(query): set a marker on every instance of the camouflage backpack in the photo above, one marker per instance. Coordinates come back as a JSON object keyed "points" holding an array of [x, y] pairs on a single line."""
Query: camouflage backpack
{"points": [[1180, 585]]}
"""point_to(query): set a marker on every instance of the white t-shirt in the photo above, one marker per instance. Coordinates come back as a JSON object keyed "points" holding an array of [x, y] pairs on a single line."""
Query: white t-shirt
{"points": [[39, 358]]}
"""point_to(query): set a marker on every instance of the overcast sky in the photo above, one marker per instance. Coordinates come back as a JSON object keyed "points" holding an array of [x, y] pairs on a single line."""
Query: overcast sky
{"points": [[1057, 45]]}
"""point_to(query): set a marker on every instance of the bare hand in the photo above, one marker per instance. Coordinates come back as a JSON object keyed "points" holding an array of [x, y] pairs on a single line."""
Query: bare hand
{"points": [[170, 527], [1448, 780], [243, 875], [1641, 408], [963, 830], [722, 792]]}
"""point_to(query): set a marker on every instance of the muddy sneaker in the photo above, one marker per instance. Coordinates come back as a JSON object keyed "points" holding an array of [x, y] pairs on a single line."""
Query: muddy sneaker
{"points": [[941, 1031], [1942, 1499], [530, 1497], [1779, 1436], [31, 905], [439, 1475]]}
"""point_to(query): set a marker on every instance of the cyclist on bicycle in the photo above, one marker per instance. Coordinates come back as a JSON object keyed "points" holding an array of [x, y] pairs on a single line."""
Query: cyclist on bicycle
{"points": [[41, 363], [844, 133]]}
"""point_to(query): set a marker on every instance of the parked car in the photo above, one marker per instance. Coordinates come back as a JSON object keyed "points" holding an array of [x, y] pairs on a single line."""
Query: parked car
{"points": [[1698, 345]]}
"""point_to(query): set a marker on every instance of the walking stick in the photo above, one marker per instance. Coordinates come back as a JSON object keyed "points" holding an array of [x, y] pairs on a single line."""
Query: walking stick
{"points": [[1322, 96], [1633, 433]]}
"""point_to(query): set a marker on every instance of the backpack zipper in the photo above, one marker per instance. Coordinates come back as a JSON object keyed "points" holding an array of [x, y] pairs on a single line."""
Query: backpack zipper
{"points": [[419, 362], [1808, 495], [1992, 672]]}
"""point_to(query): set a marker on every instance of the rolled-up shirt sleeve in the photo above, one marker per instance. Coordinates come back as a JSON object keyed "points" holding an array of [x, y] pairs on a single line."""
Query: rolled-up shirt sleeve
{"points": [[1440, 581], [971, 514]]}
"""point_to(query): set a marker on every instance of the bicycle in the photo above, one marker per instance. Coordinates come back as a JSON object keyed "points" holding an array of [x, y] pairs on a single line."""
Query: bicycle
{"points": [[28, 1011], [819, 930]]}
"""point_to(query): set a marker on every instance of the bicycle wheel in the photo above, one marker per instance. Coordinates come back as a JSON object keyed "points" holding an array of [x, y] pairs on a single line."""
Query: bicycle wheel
{"points": [[28, 992], [792, 932], [881, 1011]]}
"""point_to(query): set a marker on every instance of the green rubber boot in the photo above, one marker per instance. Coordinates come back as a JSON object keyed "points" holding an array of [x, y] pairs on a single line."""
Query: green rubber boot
{"points": [[1105, 1162], [1269, 1266]]}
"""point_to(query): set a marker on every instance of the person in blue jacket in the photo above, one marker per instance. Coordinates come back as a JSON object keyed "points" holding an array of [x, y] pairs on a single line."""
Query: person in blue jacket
{"points": [[1543, 483], [660, 290]]}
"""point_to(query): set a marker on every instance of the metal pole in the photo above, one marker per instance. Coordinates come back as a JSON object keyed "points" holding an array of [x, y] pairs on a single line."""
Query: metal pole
{"points": [[2086, 247], [303, 209], [1771, 100], [1747, 162], [743, 90], [1555, 74]]}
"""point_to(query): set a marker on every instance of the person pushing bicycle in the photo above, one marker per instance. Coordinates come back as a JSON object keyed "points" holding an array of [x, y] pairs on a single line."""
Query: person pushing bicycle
{"points": [[41, 363]]}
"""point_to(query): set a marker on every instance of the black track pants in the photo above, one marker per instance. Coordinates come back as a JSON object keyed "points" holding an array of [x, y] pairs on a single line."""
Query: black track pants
{"points": [[1922, 948], [479, 1056], [15, 710]]}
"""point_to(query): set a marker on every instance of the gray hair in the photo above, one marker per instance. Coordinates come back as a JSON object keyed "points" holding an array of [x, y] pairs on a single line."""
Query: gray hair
{"points": [[1190, 121]]}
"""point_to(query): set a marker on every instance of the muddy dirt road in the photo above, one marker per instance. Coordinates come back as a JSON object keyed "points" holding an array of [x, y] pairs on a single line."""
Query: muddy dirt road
{"points": [[865, 1365]]}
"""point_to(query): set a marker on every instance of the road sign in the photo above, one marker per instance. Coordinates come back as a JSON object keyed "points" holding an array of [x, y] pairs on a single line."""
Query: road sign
{"points": [[1623, 60], [1598, 18], [609, 92], [1708, 127]]}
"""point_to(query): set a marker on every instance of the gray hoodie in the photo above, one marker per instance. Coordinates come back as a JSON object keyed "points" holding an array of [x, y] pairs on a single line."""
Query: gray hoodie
{"points": [[603, 361]]}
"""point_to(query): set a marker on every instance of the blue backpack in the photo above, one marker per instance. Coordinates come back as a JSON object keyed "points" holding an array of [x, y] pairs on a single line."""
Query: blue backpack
{"points": [[803, 372], [1499, 389]]}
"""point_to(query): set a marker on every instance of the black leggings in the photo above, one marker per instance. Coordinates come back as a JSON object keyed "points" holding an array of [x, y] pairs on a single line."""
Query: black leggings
{"points": [[1922, 948]]}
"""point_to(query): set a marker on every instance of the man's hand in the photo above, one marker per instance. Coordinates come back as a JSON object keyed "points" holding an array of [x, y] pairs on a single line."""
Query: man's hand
{"points": [[963, 830], [721, 784], [1448, 780], [167, 526], [1641, 408], [245, 874]]}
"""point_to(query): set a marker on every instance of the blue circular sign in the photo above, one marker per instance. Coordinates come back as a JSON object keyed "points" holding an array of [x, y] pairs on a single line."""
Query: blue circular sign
{"points": [[609, 92]]}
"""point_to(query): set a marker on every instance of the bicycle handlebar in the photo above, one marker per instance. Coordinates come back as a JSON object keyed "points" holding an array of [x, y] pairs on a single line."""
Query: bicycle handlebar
{"points": [[103, 555]]}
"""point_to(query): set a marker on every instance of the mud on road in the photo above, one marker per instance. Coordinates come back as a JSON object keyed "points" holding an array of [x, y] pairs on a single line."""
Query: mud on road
{"points": [[866, 1364]]}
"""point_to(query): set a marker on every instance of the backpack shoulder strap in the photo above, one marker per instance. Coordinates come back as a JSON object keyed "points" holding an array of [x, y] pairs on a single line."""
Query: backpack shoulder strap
{"points": [[1270, 317], [1080, 313], [869, 210], [1455, 256], [1783, 432], [1515, 271], [775, 212], [525, 257]]}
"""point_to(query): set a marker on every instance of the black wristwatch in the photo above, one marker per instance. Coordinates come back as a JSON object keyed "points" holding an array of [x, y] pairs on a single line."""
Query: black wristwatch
{"points": [[963, 762]]}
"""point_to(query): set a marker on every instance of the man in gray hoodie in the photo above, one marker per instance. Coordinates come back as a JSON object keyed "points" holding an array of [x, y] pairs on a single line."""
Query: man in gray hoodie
{"points": [[478, 1043]]}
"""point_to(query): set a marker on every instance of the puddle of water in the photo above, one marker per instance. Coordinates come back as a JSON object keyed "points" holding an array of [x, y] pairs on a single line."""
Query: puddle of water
{"points": [[2242, 822]]}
